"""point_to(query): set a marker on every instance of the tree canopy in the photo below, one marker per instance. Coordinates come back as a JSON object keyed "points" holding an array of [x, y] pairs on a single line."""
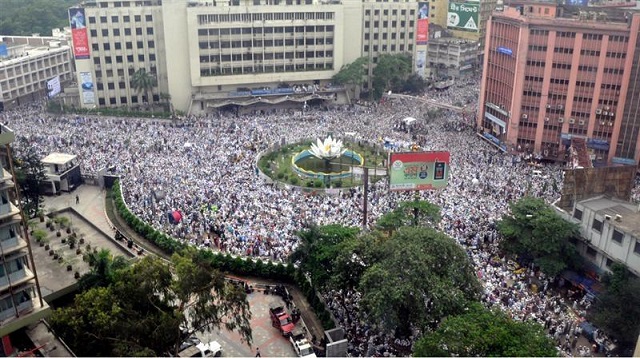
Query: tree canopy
{"points": [[413, 213], [421, 277], [353, 73], [616, 310], [30, 176], [26, 17], [534, 231], [148, 308], [143, 82], [319, 246], [391, 73], [480, 332]]}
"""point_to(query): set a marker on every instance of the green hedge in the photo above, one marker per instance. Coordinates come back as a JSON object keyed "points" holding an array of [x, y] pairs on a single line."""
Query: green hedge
{"points": [[227, 263]]}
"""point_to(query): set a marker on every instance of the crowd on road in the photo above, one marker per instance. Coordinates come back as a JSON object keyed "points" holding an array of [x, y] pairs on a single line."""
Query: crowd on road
{"points": [[205, 167]]}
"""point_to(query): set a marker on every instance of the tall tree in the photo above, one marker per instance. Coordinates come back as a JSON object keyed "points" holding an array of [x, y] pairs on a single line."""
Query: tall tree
{"points": [[147, 307], [484, 333], [413, 212], [353, 73], [103, 268], [30, 176], [390, 73], [423, 277], [534, 231], [143, 82], [319, 246], [26, 17], [616, 310]]}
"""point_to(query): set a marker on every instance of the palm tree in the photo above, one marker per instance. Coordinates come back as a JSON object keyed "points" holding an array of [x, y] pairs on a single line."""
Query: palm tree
{"points": [[143, 81], [104, 265]]}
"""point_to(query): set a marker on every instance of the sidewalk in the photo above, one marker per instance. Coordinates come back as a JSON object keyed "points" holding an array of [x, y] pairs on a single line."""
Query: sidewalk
{"points": [[91, 205]]}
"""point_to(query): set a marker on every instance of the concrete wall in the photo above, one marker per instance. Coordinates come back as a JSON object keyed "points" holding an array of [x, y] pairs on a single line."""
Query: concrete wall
{"points": [[581, 184]]}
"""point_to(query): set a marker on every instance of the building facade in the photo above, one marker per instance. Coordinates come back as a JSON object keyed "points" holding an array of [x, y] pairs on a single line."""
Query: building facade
{"points": [[452, 57], [610, 233], [27, 66], [21, 302], [208, 54], [549, 77]]}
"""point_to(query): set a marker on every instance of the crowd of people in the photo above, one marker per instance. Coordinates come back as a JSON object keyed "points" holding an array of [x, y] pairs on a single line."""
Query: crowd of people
{"points": [[205, 167]]}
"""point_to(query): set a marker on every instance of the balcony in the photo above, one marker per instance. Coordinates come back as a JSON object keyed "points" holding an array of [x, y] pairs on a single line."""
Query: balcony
{"points": [[16, 278], [23, 308], [11, 244]]}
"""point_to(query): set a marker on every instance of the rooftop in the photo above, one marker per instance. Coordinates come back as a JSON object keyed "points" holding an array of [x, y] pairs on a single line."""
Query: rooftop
{"points": [[58, 158], [630, 216]]}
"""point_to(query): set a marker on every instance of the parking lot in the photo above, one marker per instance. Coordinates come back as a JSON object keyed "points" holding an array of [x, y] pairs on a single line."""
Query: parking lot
{"points": [[266, 337]]}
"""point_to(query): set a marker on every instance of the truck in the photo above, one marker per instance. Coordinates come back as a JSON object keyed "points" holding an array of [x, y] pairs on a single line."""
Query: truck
{"points": [[280, 319], [300, 343]]}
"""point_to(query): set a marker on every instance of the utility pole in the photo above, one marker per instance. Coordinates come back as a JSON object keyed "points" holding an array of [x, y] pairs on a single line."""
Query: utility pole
{"points": [[365, 199]]}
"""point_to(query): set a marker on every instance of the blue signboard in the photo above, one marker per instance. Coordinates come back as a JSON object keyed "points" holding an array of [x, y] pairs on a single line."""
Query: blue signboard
{"points": [[495, 141], [4, 52], [505, 51], [625, 161]]}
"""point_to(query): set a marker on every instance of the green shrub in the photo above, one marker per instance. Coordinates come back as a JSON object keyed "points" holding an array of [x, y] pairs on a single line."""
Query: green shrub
{"points": [[309, 184], [338, 184], [294, 180], [280, 175], [318, 183]]}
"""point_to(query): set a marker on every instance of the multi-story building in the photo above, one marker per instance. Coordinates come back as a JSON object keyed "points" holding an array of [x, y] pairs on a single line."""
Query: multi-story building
{"points": [[452, 57], [27, 63], [609, 230], [467, 19], [550, 76], [209, 54], [20, 300]]}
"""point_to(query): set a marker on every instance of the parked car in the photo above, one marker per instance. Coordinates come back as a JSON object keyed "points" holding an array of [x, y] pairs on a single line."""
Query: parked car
{"points": [[193, 347]]}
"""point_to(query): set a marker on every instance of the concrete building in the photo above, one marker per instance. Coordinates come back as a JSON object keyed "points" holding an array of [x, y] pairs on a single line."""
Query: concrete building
{"points": [[610, 230], [62, 171], [467, 19], [452, 57], [21, 302], [208, 54], [27, 63], [550, 76]]}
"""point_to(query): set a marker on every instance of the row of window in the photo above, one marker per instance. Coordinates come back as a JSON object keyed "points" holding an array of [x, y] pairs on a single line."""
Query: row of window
{"points": [[227, 71], [265, 30], [116, 19], [596, 225], [385, 36], [385, 24], [266, 43], [124, 101], [266, 56], [116, 32], [585, 36], [391, 48], [120, 59], [386, 12], [279, 16], [128, 45]]}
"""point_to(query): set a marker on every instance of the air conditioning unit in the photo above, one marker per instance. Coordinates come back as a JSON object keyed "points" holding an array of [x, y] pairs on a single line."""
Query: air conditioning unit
{"points": [[560, 120], [572, 121], [605, 113], [611, 114], [607, 217], [525, 116], [610, 124], [560, 106], [606, 108], [618, 217], [548, 106], [598, 111], [546, 119], [581, 122]]}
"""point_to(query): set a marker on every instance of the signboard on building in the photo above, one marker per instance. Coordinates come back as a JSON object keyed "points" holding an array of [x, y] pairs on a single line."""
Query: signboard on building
{"points": [[463, 16], [78, 23], [4, 51], [421, 62], [422, 33], [53, 86], [86, 82], [418, 170]]}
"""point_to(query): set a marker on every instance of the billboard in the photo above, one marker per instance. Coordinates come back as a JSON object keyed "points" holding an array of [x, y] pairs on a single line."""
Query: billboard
{"points": [[421, 62], [86, 82], [418, 170], [463, 16], [79, 33], [53, 86], [422, 33]]}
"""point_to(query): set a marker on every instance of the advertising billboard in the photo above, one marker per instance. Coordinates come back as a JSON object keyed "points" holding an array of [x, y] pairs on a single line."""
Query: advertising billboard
{"points": [[86, 82], [421, 62], [463, 16], [53, 86], [422, 33], [77, 20], [418, 170]]}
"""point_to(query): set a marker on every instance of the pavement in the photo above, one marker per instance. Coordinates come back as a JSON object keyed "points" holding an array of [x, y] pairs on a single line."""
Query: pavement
{"points": [[91, 205]]}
